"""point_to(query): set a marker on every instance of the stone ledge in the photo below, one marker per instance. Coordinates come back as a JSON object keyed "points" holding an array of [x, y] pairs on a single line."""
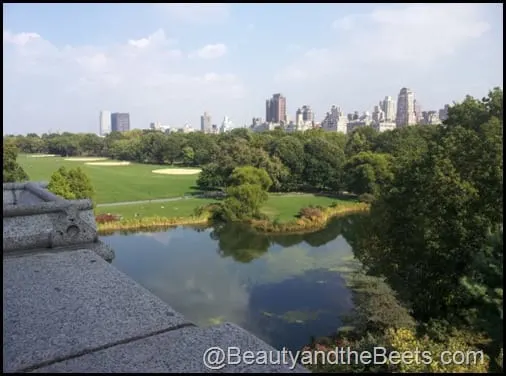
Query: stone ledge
{"points": [[57, 305], [180, 351]]}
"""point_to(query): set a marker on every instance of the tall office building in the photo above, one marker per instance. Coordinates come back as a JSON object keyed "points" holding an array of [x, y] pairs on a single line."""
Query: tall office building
{"points": [[388, 107], [406, 108], [105, 123], [205, 123], [120, 122], [275, 109]]}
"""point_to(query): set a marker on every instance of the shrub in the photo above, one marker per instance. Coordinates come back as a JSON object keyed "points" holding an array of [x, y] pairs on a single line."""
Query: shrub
{"points": [[310, 213], [366, 198]]}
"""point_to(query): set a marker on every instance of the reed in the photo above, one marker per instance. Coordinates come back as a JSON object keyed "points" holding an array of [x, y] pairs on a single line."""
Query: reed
{"points": [[310, 219], [150, 223]]}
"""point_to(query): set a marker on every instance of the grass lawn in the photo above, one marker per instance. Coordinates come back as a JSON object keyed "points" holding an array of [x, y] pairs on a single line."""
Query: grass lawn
{"points": [[284, 208], [169, 209], [134, 182]]}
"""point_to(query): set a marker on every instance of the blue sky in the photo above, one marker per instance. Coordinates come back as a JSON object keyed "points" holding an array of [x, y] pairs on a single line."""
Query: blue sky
{"points": [[63, 63]]}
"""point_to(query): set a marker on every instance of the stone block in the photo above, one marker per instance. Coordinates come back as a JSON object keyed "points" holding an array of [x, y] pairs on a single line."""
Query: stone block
{"points": [[180, 351], [59, 305]]}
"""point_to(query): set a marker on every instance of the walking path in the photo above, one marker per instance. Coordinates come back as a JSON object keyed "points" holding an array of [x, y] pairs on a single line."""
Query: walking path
{"points": [[147, 201], [156, 200]]}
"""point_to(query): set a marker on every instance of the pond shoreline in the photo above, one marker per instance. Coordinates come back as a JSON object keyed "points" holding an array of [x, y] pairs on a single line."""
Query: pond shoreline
{"points": [[298, 226]]}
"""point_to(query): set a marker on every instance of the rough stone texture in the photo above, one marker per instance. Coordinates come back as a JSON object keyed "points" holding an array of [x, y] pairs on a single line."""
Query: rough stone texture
{"points": [[61, 304], [34, 218], [177, 351]]}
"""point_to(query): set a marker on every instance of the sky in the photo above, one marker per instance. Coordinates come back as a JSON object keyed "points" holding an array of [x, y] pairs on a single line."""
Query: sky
{"points": [[64, 63]]}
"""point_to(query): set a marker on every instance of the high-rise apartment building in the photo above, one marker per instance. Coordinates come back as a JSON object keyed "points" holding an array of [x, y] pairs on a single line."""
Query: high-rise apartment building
{"points": [[388, 107], [205, 123], [406, 108], [307, 114], [275, 109], [418, 112], [120, 122], [105, 123], [335, 121]]}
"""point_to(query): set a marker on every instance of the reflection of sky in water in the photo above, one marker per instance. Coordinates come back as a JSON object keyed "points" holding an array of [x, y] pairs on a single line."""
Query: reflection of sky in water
{"points": [[284, 296]]}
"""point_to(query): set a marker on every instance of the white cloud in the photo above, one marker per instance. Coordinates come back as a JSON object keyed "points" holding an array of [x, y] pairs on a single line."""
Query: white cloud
{"points": [[19, 39], [198, 13], [211, 51], [419, 34], [147, 77]]}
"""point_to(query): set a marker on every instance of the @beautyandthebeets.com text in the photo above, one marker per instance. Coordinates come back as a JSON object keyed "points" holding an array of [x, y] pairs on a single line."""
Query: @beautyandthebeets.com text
{"points": [[216, 358]]}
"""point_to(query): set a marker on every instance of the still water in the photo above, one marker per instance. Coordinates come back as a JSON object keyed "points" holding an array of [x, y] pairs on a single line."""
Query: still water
{"points": [[284, 289]]}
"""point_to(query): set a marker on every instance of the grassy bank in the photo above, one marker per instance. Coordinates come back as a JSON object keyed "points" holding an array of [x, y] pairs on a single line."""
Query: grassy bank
{"points": [[134, 182], [151, 223], [282, 212], [312, 219]]}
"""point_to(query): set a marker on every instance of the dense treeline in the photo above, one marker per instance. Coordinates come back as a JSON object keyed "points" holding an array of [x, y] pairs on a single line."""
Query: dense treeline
{"points": [[361, 162]]}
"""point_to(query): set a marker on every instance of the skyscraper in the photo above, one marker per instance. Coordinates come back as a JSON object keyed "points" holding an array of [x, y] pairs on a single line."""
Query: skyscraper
{"points": [[205, 123], [406, 108], [275, 109], [307, 114], [120, 122], [105, 123], [388, 107]]}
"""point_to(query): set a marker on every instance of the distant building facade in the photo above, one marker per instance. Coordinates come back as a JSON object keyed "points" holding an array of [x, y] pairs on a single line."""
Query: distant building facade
{"points": [[334, 120], [389, 109], [364, 120], [430, 118], [120, 122], [275, 109], [205, 123], [226, 125], [443, 113], [406, 108], [105, 123], [379, 117]]}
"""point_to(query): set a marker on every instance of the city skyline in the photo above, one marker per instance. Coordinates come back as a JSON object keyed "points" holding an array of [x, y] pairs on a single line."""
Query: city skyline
{"points": [[228, 64]]}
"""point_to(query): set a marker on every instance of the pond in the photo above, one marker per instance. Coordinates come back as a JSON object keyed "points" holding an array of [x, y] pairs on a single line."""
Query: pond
{"points": [[284, 289]]}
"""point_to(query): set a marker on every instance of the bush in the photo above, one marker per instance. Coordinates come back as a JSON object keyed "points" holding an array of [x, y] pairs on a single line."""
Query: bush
{"points": [[366, 198], [310, 212]]}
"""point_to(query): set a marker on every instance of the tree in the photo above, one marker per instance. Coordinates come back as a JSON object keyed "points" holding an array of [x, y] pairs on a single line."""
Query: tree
{"points": [[13, 172], [368, 172], [323, 164], [71, 184], [246, 192], [210, 177], [430, 233]]}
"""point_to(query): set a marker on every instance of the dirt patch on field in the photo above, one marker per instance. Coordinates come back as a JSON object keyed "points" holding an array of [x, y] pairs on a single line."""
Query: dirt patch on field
{"points": [[43, 155], [177, 171], [88, 159], [108, 163]]}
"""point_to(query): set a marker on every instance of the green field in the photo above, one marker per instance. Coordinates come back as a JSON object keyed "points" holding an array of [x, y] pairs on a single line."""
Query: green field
{"points": [[285, 208], [169, 209], [282, 208], [134, 182]]}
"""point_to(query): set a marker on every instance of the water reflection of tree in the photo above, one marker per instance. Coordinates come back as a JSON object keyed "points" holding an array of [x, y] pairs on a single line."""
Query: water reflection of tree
{"points": [[244, 244], [239, 242]]}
